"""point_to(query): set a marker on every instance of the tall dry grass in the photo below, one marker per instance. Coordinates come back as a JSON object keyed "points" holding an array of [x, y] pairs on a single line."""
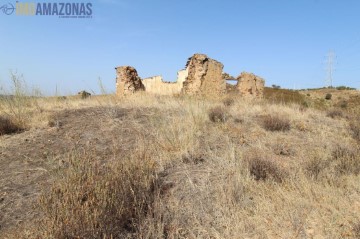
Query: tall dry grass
{"points": [[191, 177]]}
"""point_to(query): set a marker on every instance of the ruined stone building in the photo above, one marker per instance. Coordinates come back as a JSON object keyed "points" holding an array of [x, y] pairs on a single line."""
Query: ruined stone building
{"points": [[157, 85], [201, 76]]}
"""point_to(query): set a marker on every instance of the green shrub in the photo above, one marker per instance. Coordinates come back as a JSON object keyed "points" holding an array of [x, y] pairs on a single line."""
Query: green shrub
{"points": [[345, 88], [328, 96]]}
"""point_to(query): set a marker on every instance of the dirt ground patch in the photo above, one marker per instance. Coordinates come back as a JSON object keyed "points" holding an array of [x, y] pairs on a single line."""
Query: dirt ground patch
{"points": [[27, 159]]}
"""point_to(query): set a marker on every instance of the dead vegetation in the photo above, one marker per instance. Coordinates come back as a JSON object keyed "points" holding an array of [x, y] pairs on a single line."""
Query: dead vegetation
{"points": [[335, 113], [8, 126], [355, 129], [159, 167], [229, 101], [356, 229], [314, 167], [347, 160], [344, 160], [94, 199], [276, 123], [266, 169], [218, 114]]}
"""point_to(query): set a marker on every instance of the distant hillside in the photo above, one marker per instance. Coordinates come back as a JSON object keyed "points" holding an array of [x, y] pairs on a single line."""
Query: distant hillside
{"points": [[276, 95]]}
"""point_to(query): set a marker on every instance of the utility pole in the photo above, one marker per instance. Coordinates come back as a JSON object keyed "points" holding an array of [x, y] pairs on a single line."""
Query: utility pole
{"points": [[330, 61]]}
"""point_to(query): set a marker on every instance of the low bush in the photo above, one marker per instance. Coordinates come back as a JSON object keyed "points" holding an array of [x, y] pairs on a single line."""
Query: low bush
{"points": [[228, 101], [328, 96], [347, 160], [84, 94], [276, 123], [8, 126], [315, 166], [335, 114], [264, 169], [345, 88], [344, 104], [355, 129], [218, 114]]}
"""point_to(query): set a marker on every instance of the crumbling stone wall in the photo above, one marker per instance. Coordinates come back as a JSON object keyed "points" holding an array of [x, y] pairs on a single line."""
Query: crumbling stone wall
{"points": [[127, 81], [250, 85], [204, 76], [156, 84], [226, 76]]}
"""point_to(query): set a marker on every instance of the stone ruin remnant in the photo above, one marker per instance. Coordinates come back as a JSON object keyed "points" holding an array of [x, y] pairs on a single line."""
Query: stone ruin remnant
{"points": [[201, 76], [157, 85], [204, 76], [250, 85], [226, 76], [127, 81], [84, 94]]}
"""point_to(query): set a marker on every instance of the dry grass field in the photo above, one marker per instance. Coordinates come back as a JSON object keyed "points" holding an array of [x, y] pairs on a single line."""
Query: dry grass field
{"points": [[179, 167]]}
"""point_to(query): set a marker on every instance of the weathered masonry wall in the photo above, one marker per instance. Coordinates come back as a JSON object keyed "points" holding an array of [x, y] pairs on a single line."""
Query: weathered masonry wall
{"points": [[205, 76], [156, 84], [127, 80], [201, 76], [250, 85]]}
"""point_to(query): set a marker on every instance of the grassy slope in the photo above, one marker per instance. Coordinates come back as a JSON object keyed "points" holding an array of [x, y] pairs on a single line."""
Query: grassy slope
{"points": [[190, 177]]}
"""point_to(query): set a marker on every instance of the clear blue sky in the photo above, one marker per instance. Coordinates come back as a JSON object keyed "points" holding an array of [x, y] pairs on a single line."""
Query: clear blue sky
{"points": [[283, 41]]}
